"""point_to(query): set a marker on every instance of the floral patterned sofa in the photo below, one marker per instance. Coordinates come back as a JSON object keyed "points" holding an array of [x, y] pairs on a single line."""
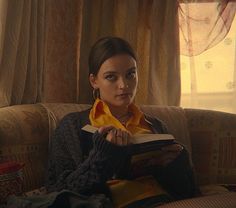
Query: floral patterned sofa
{"points": [[210, 136]]}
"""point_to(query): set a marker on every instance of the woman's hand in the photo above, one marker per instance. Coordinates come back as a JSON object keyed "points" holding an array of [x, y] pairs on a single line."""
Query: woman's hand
{"points": [[116, 136], [167, 155]]}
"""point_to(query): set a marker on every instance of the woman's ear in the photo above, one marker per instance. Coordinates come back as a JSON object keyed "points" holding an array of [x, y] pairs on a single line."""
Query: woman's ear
{"points": [[93, 81]]}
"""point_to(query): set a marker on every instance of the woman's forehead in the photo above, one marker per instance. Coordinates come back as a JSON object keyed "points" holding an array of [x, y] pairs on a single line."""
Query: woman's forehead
{"points": [[119, 63]]}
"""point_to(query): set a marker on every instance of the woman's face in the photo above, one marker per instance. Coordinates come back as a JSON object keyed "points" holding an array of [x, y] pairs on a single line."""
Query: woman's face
{"points": [[117, 80]]}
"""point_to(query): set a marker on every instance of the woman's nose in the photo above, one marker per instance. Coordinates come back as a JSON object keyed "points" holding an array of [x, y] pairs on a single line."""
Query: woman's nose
{"points": [[123, 84]]}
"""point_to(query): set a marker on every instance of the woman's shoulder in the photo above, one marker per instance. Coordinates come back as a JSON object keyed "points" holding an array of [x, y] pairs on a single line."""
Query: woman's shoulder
{"points": [[81, 117]]}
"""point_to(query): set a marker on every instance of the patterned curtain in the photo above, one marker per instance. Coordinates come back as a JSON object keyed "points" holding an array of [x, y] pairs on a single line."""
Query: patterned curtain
{"points": [[21, 51], [62, 39], [38, 50]]}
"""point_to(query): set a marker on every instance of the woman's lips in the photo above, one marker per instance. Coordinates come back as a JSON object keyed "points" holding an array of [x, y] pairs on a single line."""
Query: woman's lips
{"points": [[124, 95]]}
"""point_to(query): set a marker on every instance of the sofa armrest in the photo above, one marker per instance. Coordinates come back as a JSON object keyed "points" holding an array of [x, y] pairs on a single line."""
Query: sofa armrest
{"points": [[24, 138], [213, 138]]}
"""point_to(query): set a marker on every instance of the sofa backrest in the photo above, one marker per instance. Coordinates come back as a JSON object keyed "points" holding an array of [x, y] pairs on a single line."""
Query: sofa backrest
{"points": [[25, 131]]}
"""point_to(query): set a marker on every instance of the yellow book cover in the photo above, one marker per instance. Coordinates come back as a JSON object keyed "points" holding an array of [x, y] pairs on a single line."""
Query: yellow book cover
{"points": [[125, 192]]}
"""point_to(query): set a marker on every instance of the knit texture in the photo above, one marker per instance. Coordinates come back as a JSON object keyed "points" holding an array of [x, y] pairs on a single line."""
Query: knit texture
{"points": [[83, 162]]}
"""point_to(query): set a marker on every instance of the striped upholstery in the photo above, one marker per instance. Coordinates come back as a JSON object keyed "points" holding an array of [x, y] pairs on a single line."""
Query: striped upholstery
{"points": [[210, 135], [227, 200], [24, 134], [213, 138]]}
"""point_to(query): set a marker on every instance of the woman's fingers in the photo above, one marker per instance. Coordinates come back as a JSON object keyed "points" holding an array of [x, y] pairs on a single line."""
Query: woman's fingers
{"points": [[170, 153], [129, 138], [167, 158], [162, 160], [111, 136], [172, 148], [167, 155], [126, 138], [105, 129], [121, 137], [118, 137]]}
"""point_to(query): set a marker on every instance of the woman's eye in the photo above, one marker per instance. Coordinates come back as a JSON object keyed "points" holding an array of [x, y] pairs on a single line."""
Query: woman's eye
{"points": [[110, 77], [132, 74]]}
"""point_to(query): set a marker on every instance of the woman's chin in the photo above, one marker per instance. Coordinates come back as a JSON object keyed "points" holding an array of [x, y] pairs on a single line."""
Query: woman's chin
{"points": [[124, 102]]}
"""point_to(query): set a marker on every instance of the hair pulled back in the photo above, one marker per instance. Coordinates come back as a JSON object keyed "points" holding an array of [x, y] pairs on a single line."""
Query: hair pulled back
{"points": [[104, 49]]}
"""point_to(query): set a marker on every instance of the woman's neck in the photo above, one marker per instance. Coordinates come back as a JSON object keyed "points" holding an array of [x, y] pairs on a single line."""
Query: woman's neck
{"points": [[119, 112]]}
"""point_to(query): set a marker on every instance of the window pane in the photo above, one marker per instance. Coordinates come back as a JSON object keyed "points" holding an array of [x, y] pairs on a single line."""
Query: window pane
{"points": [[208, 79], [215, 67], [185, 74]]}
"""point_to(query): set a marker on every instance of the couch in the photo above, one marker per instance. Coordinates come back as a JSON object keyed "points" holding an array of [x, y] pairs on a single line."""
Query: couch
{"points": [[210, 137]]}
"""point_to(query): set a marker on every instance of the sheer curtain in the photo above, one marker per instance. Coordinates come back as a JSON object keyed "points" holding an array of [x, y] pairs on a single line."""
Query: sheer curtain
{"points": [[21, 51], [203, 24], [43, 54], [151, 28], [207, 46], [62, 40]]}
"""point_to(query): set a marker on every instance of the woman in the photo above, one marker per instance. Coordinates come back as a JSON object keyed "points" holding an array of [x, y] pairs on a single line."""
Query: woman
{"points": [[91, 163]]}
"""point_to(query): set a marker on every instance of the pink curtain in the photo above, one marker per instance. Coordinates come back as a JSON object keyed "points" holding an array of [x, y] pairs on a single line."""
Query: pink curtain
{"points": [[207, 45], [203, 24]]}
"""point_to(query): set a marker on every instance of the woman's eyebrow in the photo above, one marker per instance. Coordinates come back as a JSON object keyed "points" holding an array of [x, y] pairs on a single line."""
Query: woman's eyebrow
{"points": [[115, 72], [110, 72], [134, 67]]}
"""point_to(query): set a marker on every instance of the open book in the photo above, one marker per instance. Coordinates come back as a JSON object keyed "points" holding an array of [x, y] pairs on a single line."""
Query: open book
{"points": [[144, 142], [145, 148]]}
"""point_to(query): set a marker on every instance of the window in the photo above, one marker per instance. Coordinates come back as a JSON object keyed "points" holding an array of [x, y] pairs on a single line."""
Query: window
{"points": [[208, 80]]}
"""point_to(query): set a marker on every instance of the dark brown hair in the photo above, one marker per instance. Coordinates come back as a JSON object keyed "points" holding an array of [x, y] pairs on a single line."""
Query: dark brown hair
{"points": [[104, 49]]}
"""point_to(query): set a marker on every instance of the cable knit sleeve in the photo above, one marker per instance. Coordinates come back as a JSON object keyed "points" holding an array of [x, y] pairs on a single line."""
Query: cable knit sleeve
{"points": [[67, 168], [177, 177]]}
